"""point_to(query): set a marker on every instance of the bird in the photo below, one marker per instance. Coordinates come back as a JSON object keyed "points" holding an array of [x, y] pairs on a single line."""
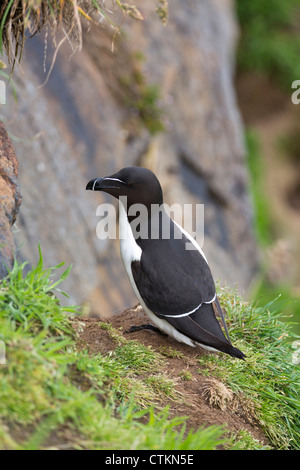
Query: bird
{"points": [[173, 284]]}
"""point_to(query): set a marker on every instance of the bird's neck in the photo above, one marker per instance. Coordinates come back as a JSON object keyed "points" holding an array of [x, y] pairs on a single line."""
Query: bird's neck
{"points": [[146, 222]]}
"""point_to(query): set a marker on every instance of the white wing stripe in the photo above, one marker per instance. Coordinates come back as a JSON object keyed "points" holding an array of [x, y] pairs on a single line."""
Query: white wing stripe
{"points": [[192, 311]]}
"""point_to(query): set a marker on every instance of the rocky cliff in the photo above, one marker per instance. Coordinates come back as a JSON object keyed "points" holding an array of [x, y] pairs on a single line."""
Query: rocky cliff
{"points": [[163, 99], [10, 200]]}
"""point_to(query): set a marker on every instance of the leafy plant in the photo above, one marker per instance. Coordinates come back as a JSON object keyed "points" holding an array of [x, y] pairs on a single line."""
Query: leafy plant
{"points": [[270, 41]]}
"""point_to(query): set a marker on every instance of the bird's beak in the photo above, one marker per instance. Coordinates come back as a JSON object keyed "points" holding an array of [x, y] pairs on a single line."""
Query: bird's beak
{"points": [[104, 184]]}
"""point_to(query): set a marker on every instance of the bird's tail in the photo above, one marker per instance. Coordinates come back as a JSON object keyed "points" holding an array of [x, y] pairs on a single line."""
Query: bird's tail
{"points": [[220, 312], [235, 352], [204, 329]]}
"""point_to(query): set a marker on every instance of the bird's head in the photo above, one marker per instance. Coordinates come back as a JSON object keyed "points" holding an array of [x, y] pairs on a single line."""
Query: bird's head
{"points": [[139, 185]]}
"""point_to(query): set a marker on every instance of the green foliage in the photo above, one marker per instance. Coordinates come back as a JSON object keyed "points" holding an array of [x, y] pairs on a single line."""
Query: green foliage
{"points": [[48, 387], [263, 219], [17, 17], [243, 440], [141, 98], [22, 305], [137, 356], [186, 375], [287, 301], [54, 394], [270, 380], [270, 41], [270, 45]]}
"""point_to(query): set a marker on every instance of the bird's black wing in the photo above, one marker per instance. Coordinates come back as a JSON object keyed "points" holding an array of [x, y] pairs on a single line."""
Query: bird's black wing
{"points": [[177, 285], [171, 279]]}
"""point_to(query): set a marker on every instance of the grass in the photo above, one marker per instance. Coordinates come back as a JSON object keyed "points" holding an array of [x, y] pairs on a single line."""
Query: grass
{"points": [[19, 16], [266, 227], [55, 395], [270, 45], [49, 389], [263, 221], [270, 382]]}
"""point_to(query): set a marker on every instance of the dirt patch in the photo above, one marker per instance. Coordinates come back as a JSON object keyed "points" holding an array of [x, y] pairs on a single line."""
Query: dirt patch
{"points": [[206, 400], [259, 99]]}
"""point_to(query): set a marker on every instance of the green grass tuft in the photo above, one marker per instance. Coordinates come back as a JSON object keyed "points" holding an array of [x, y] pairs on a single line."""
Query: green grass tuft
{"points": [[50, 390], [269, 379], [53, 395]]}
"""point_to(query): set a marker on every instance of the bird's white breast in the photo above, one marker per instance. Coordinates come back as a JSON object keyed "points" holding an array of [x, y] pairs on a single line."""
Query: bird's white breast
{"points": [[130, 251]]}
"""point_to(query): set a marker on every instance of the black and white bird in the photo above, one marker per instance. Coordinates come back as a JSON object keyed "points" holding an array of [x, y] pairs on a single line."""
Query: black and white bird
{"points": [[173, 284]]}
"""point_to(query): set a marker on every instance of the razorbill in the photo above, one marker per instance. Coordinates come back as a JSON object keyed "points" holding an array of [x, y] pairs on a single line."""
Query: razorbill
{"points": [[173, 284]]}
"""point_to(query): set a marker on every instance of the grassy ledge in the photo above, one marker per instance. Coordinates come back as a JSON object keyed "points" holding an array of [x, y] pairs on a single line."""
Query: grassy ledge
{"points": [[19, 17], [56, 393]]}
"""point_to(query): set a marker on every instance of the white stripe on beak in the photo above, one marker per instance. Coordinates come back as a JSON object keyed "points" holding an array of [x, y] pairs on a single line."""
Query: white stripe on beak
{"points": [[93, 189]]}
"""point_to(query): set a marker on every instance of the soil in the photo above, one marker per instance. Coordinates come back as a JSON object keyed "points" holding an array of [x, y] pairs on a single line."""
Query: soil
{"points": [[207, 401]]}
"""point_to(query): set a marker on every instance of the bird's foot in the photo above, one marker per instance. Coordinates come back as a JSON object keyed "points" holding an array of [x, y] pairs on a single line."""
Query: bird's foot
{"points": [[147, 326]]}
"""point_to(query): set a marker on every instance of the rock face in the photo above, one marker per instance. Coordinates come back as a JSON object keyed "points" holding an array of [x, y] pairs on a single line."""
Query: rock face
{"points": [[10, 200], [95, 115]]}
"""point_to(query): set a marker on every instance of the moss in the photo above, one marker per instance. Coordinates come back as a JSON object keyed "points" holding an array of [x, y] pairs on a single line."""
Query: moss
{"points": [[141, 98]]}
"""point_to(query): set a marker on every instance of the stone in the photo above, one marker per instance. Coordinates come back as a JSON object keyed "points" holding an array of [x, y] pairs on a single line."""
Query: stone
{"points": [[10, 201], [90, 119]]}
